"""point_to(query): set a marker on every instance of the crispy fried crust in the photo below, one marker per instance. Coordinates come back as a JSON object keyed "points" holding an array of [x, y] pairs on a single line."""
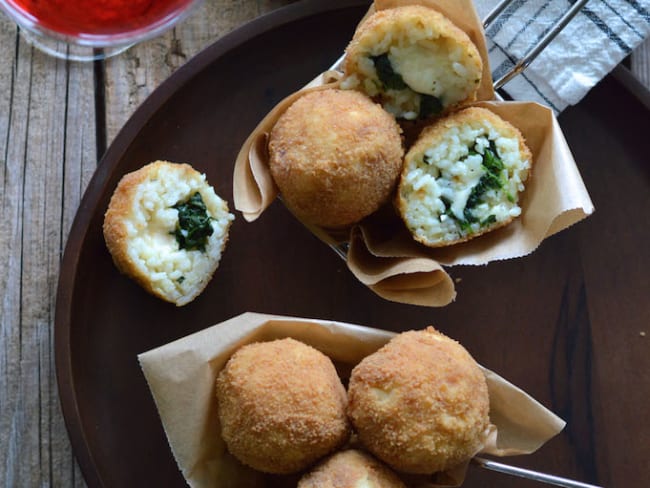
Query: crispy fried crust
{"points": [[433, 135], [420, 403], [335, 157], [281, 406], [351, 469], [433, 132]]}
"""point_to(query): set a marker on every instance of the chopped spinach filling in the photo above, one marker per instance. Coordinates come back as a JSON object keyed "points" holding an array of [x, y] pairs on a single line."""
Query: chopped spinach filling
{"points": [[193, 228], [392, 80], [464, 224], [491, 180], [490, 219], [429, 105], [386, 74], [491, 159]]}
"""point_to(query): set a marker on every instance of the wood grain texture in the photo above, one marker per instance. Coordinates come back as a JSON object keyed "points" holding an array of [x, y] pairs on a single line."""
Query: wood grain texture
{"points": [[136, 73], [48, 160]]}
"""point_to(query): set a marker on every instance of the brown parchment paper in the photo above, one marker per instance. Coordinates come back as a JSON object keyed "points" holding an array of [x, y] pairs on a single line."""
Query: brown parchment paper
{"points": [[181, 376], [381, 253]]}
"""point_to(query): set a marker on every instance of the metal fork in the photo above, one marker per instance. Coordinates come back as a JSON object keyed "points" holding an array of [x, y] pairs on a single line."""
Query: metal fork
{"points": [[530, 56], [529, 474]]}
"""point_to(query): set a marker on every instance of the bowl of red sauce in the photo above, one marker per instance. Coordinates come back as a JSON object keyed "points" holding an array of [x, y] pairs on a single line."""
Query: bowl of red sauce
{"points": [[95, 29]]}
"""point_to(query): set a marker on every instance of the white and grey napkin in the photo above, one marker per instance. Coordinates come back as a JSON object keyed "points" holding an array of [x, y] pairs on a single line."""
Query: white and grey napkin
{"points": [[602, 34]]}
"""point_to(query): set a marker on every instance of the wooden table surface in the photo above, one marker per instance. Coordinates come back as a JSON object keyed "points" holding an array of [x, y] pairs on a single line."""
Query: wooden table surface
{"points": [[56, 120]]}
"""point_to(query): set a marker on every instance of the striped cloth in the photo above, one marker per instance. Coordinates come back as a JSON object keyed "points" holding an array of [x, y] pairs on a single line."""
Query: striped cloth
{"points": [[602, 34]]}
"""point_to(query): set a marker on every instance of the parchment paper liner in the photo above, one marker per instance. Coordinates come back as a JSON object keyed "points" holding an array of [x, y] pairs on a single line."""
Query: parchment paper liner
{"points": [[181, 376], [391, 263]]}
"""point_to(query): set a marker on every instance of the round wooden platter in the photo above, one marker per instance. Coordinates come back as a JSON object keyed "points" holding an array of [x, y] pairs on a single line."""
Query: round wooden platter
{"points": [[564, 323]]}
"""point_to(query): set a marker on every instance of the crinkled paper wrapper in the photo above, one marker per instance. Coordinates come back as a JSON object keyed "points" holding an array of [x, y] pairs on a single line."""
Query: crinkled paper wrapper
{"points": [[382, 255], [182, 375]]}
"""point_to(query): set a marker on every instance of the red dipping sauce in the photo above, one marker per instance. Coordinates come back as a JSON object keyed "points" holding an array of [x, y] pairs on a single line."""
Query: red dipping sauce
{"points": [[89, 18]]}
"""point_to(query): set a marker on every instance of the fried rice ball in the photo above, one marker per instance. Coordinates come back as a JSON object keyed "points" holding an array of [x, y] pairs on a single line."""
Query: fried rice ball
{"points": [[335, 157], [281, 406], [420, 403], [351, 469], [463, 177], [167, 229], [414, 61]]}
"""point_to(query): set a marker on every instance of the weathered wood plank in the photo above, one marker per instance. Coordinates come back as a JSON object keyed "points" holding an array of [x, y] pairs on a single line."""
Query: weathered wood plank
{"points": [[79, 164], [14, 121], [47, 161]]}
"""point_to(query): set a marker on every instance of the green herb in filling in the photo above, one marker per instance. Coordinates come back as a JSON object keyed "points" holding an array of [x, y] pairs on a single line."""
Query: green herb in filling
{"points": [[491, 160], [193, 228], [465, 224], [429, 105], [491, 180], [490, 219], [447, 204], [386, 74]]}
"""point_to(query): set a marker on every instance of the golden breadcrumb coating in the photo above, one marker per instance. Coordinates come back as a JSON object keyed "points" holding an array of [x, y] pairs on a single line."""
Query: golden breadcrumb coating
{"points": [[438, 196], [351, 469], [414, 61], [335, 157], [281, 406], [140, 224], [420, 403]]}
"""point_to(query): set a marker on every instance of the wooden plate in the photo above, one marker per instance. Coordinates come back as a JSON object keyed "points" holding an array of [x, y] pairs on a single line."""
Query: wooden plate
{"points": [[563, 323]]}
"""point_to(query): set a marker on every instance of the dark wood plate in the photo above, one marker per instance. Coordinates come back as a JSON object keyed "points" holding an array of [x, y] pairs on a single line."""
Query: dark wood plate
{"points": [[564, 323]]}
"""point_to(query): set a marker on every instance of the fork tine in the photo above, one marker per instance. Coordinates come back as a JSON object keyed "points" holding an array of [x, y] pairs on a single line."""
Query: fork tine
{"points": [[530, 56], [530, 474], [495, 12]]}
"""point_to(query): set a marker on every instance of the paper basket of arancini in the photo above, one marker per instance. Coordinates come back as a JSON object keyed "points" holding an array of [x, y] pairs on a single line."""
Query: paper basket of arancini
{"points": [[413, 404], [405, 157]]}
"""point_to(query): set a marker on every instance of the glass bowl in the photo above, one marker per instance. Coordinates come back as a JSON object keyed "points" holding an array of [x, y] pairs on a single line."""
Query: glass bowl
{"points": [[78, 30]]}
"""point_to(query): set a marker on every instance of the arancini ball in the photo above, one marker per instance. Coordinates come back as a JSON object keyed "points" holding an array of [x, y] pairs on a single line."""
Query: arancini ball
{"points": [[351, 468], [281, 406], [335, 156], [420, 403]]}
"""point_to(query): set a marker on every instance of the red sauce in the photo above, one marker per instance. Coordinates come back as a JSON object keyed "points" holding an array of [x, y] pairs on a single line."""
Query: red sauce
{"points": [[98, 17]]}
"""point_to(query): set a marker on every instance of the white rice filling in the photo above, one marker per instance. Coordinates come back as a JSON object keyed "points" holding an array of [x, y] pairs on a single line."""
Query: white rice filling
{"points": [[428, 64], [439, 181], [178, 274]]}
